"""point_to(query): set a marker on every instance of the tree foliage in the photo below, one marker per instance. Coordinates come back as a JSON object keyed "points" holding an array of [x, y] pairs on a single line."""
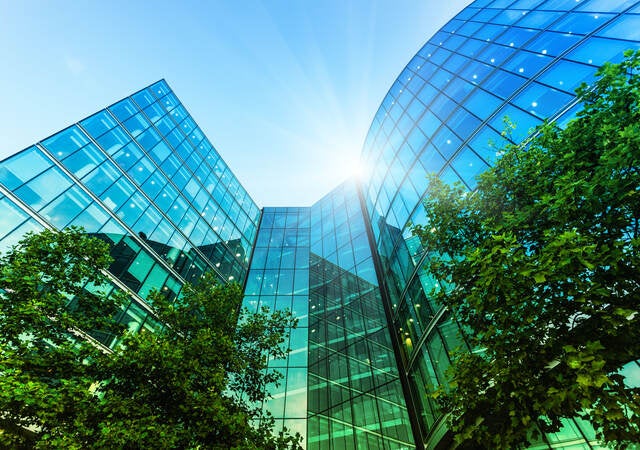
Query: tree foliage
{"points": [[43, 382], [197, 383], [543, 273]]}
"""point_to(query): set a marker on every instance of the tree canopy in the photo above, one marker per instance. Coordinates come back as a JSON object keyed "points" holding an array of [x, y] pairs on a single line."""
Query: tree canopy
{"points": [[197, 383], [542, 269]]}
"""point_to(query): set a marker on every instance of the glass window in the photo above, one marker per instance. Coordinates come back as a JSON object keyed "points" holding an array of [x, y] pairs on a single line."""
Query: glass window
{"points": [[429, 123], [287, 257], [10, 215], [469, 166], [22, 167], [581, 23], [181, 178], [567, 75], [91, 219], [102, 177], [607, 5], [538, 19], [476, 72], [165, 125], [472, 46], [141, 266], [188, 222], [154, 185], [552, 44], [131, 211], [431, 160], [463, 122], [458, 89], [527, 63], [128, 156], [526, 4], [117, 194], [174, 138], [596, 51], [523, 121], [560, 4], [12, 239], [169, 101], [98, 124], [507, 16], [177, 210], [496, 55], [515, 37], [136, 124], [148, 139], [156, 278], [503, 83], [113, 140], [65, 208], [66, 142], [154, 112], [84, 160], [484, 16], [44, 188], [541, 100], [160, 152], [446, 142], [482, 104], [489, 32], [143, 98], [160, 231], [487, 143], [123, 109], [148, 222], [170, 165], [141, 171]]}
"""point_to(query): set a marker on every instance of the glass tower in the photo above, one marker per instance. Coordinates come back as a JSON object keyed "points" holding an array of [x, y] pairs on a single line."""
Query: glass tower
{"points": [[497, 58], [371, 345], [341, 386], [142, 176]]}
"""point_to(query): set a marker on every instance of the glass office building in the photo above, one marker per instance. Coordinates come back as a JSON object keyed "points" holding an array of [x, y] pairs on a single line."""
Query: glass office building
{"points": [[341, 386], [371, 344], [520, 59], [142, 176]]}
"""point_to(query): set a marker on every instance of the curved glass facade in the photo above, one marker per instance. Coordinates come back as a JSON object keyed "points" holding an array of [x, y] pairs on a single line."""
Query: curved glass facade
{"points": [[497, 58]]}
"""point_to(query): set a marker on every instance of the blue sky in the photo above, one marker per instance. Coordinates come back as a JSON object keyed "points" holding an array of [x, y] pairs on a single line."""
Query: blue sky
{"points": [[285, 90]]}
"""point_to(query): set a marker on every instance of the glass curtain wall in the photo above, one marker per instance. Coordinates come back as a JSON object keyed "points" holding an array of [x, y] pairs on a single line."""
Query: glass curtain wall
{"points": [[278, 279], [142, 176], [355, 396], [520, 59]]}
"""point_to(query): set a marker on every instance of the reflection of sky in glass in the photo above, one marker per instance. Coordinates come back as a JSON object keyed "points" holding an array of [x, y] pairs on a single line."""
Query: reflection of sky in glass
{"points": [[444, 114]]}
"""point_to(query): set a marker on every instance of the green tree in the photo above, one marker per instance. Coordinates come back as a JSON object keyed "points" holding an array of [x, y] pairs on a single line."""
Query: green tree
{"points": [[542, 270], [44, 307], [197, 383]]}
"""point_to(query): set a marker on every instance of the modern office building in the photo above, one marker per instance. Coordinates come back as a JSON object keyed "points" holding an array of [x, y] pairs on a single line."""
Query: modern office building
{"points": [[141, 175], [520, 59], [371, 344]]}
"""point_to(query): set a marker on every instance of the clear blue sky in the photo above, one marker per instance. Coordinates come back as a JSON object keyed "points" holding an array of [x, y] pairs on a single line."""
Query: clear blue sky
{"points": [[284, 89]]}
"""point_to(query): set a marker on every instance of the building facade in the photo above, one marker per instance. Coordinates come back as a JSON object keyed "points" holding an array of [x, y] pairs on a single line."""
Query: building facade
{"points": [[371, 345], [444, 114], [141, 175]]}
